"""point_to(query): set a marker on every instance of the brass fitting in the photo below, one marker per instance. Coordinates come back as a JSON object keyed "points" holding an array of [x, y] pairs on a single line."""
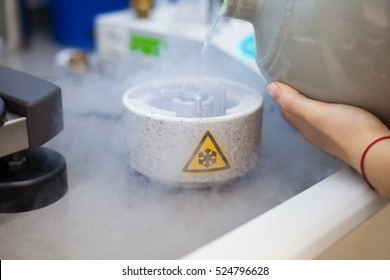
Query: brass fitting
{"points": [[78, 63], [142, 7]]}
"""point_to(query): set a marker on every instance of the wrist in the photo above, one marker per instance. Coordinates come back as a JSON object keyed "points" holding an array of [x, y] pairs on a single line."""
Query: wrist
{"points": [[358, 145], [378, 146]]}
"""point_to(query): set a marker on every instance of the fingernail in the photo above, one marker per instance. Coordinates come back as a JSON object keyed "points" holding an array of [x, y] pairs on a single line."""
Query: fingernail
{"points": [[274, 90]]}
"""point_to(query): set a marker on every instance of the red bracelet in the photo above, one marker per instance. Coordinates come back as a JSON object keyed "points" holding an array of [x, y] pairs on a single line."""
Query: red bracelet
{"points": [[364, 156]]}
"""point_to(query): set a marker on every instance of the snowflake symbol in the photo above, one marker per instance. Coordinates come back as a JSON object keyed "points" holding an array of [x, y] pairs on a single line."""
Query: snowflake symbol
{"points": [[207, 158]]}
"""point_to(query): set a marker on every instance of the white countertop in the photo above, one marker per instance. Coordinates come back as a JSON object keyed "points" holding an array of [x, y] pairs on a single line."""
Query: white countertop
{"points": [[302, 227]]}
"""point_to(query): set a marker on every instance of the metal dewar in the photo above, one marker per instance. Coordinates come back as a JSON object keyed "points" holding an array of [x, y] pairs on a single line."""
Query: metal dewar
{"points": [[333, 51], [192, 132]]}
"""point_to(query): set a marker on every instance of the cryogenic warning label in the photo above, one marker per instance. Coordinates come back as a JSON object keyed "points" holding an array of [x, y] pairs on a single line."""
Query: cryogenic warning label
{"points": [[208, 156]]}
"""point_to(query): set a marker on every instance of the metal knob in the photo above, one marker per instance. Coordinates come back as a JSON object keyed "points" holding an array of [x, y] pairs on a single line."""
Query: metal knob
{"points": [[142, 7]]}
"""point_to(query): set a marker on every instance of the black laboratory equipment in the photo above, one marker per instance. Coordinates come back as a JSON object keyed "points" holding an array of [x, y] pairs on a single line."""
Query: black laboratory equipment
{"points": [[31, 176]]}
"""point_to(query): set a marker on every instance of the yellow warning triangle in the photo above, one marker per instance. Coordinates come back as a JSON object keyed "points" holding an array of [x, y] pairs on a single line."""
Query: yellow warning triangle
{"points": [[207, 157]]}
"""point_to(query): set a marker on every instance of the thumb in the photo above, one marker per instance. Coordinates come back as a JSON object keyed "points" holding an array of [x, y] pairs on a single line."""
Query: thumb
{"points": [[291, 101]]}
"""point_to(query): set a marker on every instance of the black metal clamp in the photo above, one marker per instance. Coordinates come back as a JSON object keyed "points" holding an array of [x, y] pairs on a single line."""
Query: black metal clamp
{"points": [[31, 177]]}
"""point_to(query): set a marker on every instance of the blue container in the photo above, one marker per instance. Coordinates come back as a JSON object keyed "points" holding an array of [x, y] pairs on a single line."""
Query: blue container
{"points": [[73, 20]]}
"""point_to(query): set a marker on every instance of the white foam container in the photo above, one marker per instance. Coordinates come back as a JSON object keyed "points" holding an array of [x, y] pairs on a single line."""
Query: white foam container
{"points": [[165, 140]]}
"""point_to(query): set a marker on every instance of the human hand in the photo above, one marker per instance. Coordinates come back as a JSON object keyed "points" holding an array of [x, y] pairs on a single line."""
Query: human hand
{"points": [[342, 131]]}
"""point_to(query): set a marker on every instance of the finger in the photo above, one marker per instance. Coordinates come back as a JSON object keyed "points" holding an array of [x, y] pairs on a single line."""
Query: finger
{"points": [[299, 124], [291, 101], [308, 132], [293, 120]]}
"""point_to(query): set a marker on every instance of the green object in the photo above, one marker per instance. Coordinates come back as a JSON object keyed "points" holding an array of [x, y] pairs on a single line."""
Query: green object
{"points": [[149, 46]]}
